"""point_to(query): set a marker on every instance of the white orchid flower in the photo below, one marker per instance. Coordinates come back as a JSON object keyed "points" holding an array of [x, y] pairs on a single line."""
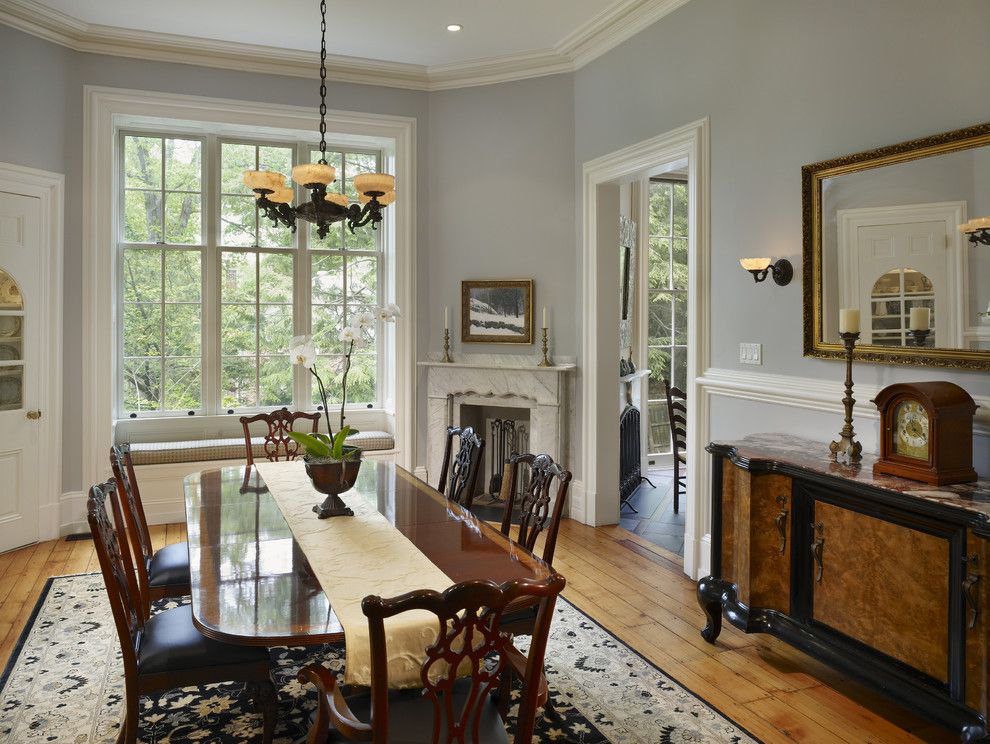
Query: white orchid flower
{"points": [[351, 335], [302, 351], [364, 320], [389, 312]]}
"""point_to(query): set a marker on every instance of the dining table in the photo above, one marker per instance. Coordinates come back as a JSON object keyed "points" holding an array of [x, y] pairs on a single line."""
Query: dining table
{"points": [[252, 582]]}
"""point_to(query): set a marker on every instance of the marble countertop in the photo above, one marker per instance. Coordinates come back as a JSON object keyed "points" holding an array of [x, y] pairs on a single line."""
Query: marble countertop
{"points": [[814, 457]]}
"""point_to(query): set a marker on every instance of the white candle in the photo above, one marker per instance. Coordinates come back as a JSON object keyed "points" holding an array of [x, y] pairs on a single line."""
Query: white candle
{"points": [[544, 316], [446, 318], [848, 320], [921, 318]]}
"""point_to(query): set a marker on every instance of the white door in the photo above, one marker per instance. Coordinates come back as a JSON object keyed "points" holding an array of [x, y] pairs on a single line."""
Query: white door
{"points": [[902, 265], [20, 282]]}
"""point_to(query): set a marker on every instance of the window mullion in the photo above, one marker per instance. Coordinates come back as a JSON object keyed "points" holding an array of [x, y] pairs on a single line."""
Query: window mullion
{"points": [[302, 298], [210, 292]]}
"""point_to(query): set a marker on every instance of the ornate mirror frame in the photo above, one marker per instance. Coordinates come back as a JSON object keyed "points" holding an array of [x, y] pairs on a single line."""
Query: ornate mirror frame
{"points": [[812, 177]]}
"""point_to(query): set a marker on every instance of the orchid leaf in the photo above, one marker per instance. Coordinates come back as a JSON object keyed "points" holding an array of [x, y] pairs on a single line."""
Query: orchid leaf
{"points": [[314, 446]]}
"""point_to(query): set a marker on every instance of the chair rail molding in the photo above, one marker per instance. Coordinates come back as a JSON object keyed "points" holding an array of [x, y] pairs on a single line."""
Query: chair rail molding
{"points": [[692, 142], [605, 31], [49, 189], [805, 393], [105, 110]]}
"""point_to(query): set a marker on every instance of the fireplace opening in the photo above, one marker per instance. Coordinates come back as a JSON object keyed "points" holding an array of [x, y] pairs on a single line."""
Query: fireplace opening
{"points": [[505, 429]]}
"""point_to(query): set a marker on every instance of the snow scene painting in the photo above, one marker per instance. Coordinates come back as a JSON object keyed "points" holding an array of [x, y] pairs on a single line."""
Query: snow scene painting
{"points": [[497, 311]]}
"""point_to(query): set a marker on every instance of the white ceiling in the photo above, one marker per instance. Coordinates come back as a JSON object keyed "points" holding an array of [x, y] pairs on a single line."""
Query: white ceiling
{"points": [[405, 31]]}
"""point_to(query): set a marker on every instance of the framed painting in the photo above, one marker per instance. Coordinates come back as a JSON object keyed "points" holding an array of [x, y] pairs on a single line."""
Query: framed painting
{"points": [[497, 312]]}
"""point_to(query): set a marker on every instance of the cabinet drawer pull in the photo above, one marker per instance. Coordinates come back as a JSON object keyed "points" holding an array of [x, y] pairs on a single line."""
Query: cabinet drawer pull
{"points": [[781, 522], [818, 550], [972, 595]]}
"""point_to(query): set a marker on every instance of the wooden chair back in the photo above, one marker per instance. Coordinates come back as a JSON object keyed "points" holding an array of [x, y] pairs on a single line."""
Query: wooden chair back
{"points": [[468, 616], [534, 501], [118, 572], [677, 415], [278, 445], [463, 471], [134, 527]]}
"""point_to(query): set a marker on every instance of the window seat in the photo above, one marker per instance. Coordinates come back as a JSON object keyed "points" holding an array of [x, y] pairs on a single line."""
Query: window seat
{"points": [[205, 450]]}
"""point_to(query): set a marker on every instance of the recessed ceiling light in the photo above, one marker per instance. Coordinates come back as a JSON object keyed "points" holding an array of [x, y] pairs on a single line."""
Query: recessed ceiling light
{"points": [[454, 27]]}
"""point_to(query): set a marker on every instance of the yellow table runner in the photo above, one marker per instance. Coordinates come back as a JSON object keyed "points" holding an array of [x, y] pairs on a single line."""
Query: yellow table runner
{"points": [[356, 556]]}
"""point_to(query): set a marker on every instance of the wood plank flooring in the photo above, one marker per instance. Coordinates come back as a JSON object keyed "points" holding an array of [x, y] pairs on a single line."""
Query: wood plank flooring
{"points": [[639, 593]]}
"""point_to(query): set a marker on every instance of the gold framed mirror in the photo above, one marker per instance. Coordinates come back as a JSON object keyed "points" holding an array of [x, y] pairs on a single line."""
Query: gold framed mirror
{"points": [[881, 236]]}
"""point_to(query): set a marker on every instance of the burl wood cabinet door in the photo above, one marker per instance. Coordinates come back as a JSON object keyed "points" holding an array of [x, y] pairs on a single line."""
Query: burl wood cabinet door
{"points": [[884, 584]]}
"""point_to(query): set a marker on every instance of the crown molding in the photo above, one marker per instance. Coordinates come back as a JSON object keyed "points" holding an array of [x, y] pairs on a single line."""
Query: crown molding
{"points": [[604, 32]]}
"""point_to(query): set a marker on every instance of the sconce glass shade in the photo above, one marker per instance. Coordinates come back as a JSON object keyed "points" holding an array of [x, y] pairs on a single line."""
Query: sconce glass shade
{"points": [[387, 198], [305, 173], [367, 182], [338, 199], [270, 180], [755, 264]]}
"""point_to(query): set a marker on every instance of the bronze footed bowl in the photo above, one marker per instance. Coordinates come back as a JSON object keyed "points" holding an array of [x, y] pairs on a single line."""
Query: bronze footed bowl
{"points": [[333, 479]]}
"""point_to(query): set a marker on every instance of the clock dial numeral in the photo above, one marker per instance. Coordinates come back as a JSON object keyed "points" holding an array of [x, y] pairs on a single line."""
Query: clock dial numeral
{"points": [[910, 430]]}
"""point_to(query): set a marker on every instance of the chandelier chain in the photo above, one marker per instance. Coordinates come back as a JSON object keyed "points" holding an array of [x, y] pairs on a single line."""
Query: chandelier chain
{"points": [[323, 82]]}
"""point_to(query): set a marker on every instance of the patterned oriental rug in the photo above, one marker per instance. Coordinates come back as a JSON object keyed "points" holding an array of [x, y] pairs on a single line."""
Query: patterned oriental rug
{"points": [[64, 683]]}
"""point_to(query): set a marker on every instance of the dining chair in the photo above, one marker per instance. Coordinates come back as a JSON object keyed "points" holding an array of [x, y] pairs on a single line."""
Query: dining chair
{"points": [[166, 651], [534, 497], [459, 478], [164, 573], [278, 445], [677, 416], [455, 702]]}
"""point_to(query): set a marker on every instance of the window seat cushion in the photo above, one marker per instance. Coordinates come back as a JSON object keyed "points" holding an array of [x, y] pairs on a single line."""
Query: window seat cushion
{"points": [[204, 450]]}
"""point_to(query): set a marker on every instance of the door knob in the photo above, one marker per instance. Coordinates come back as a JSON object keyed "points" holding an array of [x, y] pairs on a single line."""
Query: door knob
{"points": [[34, 415]]}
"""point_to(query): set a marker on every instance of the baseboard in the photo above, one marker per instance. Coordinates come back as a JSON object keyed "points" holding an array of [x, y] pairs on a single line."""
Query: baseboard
{"points": [[72, 513], [420, 472]]}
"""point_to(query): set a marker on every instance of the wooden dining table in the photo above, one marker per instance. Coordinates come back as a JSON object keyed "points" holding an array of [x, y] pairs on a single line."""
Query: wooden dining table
{"points": [[253, 585]]}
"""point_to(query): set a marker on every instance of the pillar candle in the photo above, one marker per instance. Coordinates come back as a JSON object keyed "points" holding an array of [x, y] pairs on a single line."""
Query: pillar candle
{"points": [[921, 319], [849, 320], [544, 316], [446, 318]]}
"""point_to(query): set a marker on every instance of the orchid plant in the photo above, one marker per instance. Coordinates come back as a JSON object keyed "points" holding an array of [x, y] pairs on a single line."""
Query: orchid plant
{"points": [[303, 351]]}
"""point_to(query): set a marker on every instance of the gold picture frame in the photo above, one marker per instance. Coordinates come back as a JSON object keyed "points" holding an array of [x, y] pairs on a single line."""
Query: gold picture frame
{"points": [[497, 311], [812, 177]]}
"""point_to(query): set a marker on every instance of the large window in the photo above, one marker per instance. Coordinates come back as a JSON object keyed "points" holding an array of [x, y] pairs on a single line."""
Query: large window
{"points": [[211, 293], [667, 288]]}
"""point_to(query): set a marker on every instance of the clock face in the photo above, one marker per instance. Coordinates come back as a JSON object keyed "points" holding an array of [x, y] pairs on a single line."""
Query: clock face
{"points": [[911, 430]]}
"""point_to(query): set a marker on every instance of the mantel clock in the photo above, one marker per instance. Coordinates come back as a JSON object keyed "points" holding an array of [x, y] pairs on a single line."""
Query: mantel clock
{"points": [[926, 432]]}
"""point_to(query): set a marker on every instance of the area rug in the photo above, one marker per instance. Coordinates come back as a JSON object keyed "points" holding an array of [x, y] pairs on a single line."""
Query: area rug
{"points": [[64, 683]]}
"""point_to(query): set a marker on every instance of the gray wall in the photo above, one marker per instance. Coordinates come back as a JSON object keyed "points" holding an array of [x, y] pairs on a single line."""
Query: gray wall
{"points": [[785, 83]]}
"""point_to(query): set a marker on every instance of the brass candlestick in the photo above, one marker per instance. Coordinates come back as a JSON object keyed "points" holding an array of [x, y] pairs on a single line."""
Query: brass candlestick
{"points": [[847, 447], [921, 335], [546, 357], [446, 347]]}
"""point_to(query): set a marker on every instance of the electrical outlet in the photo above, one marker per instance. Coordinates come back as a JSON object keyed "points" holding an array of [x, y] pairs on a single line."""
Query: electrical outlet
{"points": [[751, 354]]}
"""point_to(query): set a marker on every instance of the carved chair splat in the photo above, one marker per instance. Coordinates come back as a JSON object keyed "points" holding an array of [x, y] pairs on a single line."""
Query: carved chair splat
{"points": [[463, 471], [535, 516], [278, 445]]}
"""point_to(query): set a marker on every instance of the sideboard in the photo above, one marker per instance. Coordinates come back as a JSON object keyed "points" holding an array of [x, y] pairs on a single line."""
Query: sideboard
{"points": [[883, 578]]}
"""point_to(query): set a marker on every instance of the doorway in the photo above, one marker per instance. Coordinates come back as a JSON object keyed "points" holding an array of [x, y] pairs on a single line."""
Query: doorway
{"points": [[30, 323], [603, 181]]}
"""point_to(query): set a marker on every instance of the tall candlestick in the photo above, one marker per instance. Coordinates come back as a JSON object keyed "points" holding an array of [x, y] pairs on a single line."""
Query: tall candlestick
{"points": [[847, 447], [849, 320], [545, 362], [921, 319], [446, 347]]}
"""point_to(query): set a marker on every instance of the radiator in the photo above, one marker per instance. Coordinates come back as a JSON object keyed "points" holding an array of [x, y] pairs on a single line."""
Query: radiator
{"points": [[630, 460]]}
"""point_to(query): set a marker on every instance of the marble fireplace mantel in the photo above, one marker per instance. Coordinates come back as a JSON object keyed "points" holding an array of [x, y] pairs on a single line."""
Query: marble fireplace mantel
{"points": [[508, 380]]}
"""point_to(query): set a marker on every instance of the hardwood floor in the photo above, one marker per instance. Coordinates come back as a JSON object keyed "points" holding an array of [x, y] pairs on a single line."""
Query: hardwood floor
{"points": [[638, 592]]}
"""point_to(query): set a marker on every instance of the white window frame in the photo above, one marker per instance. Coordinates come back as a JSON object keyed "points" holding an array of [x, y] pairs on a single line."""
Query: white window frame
{"points": [[109, 110]]}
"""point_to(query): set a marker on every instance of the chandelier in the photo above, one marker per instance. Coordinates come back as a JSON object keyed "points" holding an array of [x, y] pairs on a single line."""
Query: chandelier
{"points": [[323, 208]]}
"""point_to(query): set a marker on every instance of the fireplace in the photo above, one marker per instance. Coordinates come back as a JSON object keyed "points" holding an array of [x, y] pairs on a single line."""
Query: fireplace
{"points": [[505, 431]]}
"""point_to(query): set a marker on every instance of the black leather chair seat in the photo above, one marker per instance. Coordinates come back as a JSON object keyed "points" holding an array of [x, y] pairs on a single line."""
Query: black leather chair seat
{"points": [[410, 717], [171, 642], [170, 566]]}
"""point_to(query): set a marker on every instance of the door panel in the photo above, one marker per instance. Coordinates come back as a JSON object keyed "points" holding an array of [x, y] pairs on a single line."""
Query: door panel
{"points": [[20, 282], [886, 585]]}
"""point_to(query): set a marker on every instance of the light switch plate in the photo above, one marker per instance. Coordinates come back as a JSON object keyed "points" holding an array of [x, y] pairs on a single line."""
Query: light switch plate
{"points": [[751, 354]]}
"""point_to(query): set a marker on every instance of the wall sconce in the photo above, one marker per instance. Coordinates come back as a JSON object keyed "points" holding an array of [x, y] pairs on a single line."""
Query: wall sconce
{"points": [[978, 230], [782, 271]]}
